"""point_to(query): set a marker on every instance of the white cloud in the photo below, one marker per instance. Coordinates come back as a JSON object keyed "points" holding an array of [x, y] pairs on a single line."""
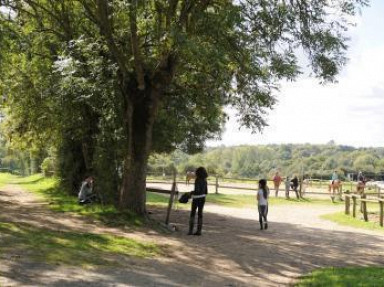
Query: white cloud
{"points": [[348, 112]]}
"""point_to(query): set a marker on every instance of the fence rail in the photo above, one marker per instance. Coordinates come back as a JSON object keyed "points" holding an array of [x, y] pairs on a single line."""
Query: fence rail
{"points": [[363, 206]]}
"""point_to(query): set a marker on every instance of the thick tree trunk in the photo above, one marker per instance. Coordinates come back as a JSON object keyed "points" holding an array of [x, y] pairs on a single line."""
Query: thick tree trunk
{"points": [[140, 118]]}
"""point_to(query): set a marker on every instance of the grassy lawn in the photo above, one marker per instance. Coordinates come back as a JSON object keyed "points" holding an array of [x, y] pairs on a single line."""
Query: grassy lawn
{"points": [[61, 247], [48, 189], [242, 200], [5, 178], [348, 220], [58, 247], [344, 277]]}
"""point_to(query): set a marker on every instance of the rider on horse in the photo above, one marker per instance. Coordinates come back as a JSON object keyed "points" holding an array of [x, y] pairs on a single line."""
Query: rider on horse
{"points": [[335, 177]]}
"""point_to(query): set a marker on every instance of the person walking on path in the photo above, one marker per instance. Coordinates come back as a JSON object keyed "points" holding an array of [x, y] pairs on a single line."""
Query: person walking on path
{"points": [[287, 187], [198, 200], [276, 182], [262, 203]]}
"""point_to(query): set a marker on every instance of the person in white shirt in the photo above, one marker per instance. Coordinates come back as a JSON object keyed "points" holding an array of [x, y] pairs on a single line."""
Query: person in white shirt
{"points": [[262, 200]]}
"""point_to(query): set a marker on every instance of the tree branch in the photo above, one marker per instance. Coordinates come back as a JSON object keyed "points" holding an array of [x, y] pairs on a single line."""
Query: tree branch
{"points": [[106, 30], [135, 45]]}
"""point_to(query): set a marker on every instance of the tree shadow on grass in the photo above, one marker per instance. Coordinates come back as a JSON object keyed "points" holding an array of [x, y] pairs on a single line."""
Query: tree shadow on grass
{"points": [[231, 252]]}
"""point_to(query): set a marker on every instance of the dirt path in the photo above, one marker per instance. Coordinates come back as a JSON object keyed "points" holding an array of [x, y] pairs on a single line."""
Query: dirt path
{"points": [[231, 252]]}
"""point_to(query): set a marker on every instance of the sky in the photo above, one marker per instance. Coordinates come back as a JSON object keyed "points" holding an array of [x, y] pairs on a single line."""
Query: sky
{"points": [[350, 112]]}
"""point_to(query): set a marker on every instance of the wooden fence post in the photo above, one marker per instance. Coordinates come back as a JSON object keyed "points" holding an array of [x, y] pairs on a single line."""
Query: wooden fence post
{"points": [[347, 204], [217, 185], [354, 206], [381, 212], [171, 198], [365, 213]]}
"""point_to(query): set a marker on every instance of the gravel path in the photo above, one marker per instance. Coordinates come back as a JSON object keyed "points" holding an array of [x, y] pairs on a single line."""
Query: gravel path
{"points": [[231, 252]]}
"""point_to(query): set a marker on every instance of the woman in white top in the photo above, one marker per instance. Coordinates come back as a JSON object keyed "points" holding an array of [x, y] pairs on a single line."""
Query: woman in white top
{"points": [[262, 199]]}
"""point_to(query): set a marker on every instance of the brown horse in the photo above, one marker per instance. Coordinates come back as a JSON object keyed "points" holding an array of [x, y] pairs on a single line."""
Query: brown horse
{"points": [[336, 187], [360, 186], [189, 175]]}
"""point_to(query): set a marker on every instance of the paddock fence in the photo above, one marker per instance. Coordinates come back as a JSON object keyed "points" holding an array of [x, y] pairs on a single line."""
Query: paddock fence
{"points": [[353, 200]]}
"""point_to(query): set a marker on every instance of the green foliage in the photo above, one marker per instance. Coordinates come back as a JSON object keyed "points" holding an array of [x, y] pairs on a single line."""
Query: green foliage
{"points": [[316, 161], [81, 76], [344, 277]]}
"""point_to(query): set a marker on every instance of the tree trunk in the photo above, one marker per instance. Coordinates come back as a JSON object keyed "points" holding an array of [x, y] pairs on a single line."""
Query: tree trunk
{"points": [[140, 118]]}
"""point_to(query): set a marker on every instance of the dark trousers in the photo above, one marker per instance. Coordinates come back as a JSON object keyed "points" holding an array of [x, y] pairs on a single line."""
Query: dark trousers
{"points": [[263, 212], [197, 204]]}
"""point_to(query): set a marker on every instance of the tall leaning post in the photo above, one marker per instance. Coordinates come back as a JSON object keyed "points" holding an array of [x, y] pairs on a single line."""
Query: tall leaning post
{"points": [[354, 206], [381, 212], [171, 198]]}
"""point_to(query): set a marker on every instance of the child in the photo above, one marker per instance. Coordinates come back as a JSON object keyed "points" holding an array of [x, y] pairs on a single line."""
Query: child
{"points": [[262, 199]]}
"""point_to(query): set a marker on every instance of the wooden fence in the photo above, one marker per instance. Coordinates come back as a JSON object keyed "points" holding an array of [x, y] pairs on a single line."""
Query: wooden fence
{"points": [[355, 199], [320, 186]]}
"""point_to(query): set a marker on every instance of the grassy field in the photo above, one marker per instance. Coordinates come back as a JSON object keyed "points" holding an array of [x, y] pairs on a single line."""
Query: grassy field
{"points": [[348, 220], [344, 277], [59, 247]]}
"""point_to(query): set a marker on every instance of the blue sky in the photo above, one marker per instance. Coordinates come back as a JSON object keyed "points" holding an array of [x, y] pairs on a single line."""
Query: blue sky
{"points": [[350, 112]]}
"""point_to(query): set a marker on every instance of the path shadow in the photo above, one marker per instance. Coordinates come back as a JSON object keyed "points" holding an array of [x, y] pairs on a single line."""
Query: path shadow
{"points": [[231, 252]]}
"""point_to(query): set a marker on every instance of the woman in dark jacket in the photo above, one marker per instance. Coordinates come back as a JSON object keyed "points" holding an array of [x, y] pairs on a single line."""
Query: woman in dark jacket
{"points": [[295, 185], [198, 200]]}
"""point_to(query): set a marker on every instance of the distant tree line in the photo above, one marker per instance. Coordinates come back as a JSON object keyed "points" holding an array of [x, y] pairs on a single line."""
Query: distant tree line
{"points": [[316, 161]]}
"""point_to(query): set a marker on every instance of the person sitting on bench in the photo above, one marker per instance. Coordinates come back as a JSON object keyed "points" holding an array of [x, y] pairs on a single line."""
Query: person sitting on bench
{"points": [[86, 194]]}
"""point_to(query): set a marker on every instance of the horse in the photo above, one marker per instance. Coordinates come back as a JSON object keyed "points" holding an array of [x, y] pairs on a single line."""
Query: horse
{"points": [[360, 186], [335, 186], [189, 175]]}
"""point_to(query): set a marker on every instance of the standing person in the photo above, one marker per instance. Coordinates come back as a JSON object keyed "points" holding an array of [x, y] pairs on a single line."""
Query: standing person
{"points": [[295, 185], [360, 176], [198, 200], [287, 187], [262, 203], [276, 182]]}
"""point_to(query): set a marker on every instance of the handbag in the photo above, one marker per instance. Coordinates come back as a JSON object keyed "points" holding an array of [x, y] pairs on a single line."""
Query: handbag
{"points": [[184, 198]]}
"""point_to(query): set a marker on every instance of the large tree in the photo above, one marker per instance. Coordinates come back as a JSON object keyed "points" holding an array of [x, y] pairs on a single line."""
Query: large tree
{"points": [[176, 63]]}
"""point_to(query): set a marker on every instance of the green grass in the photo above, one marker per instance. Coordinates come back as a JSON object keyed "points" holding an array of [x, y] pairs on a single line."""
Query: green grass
{"points": [[48, 189], [58, 247], [344, 277], [72, 248], [349, 220], [242, 200], [5, 178]]}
